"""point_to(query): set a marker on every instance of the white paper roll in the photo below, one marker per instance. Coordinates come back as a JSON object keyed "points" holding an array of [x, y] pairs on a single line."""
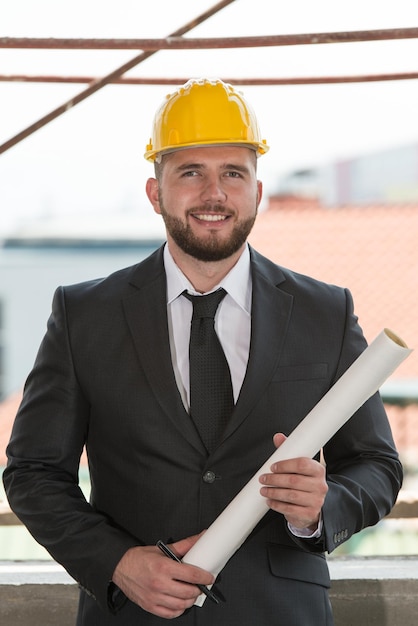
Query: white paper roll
{"points": [[362, 379]]}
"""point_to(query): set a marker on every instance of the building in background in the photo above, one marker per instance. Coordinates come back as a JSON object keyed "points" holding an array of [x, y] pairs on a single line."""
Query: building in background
{"points": [[383, 177]]}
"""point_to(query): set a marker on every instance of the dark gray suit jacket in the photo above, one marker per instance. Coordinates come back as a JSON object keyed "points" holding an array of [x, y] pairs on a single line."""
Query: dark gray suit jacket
{"points": [[103, 378]]}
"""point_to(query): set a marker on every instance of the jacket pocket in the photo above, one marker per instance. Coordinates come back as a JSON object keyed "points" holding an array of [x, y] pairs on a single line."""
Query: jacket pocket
{"points": [[296, 564]]}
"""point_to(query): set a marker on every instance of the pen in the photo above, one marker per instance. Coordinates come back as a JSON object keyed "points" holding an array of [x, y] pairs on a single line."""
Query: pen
{"points": [[164, 548]]}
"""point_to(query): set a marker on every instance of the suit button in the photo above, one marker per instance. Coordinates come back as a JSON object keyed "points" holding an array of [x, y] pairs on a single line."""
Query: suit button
{"points": [[209, 477]]}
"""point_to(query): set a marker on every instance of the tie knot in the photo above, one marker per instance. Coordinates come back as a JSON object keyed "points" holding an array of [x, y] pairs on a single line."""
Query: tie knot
{"points": [[205, 306]]}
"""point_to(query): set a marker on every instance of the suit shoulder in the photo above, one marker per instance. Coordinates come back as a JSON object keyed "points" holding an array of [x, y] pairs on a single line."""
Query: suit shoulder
{"points": [[96, 290], [115, 285], [295, 282]]}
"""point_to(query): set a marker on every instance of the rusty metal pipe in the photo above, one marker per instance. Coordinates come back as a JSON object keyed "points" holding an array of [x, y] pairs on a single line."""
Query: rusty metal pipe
{"points": [[174, 42], [302, 80], [102, 82]]}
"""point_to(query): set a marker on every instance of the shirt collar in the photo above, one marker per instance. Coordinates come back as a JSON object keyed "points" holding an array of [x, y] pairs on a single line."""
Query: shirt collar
{"points": [[237, 283]]}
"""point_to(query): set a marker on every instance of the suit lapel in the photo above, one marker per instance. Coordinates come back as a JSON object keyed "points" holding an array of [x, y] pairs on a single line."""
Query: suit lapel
{"points": [[271, 310], [146, 315]]}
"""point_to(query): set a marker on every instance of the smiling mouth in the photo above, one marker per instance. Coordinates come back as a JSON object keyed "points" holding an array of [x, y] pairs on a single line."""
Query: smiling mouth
{"points": [[210, 217]]}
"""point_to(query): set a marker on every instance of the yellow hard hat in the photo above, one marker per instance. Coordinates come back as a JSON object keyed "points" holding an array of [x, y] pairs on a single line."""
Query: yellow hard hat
{"points": [[203, 113]]}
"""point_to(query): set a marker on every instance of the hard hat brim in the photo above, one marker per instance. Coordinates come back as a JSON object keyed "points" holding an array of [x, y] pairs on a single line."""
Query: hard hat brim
{"points": [[155, 155]]}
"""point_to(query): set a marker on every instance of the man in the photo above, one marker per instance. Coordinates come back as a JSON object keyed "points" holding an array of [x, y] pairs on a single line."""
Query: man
{"points": [[113, 374]]}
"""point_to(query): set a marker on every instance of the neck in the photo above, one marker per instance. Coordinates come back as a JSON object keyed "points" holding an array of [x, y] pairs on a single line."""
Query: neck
{"points": [[203, 275]]}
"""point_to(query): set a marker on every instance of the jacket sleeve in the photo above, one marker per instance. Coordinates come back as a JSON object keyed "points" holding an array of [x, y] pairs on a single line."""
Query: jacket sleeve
{"points": [[363, 469], [41, 478]]}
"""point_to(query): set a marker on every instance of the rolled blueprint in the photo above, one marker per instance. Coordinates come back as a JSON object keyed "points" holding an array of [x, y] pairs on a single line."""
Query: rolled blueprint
{"points": [[361, 380]]}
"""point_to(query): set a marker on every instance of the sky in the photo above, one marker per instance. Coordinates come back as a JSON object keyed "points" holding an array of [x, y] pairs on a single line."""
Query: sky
{"points": [[88, 163]]}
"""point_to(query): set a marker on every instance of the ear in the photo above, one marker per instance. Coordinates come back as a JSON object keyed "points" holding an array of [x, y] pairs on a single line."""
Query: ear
{"points": [[151, 189], [259, 192]]}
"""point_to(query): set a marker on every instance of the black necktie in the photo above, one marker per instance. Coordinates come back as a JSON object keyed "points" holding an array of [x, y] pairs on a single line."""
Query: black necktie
{"points": [[211, 396]]}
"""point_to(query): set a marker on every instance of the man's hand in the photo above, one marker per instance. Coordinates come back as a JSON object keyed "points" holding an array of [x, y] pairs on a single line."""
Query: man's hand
{"points": [[158, 584], [296, 488]]}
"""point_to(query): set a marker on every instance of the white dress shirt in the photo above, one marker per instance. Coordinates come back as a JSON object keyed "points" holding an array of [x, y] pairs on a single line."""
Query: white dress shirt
{"points": [[232, 321]]}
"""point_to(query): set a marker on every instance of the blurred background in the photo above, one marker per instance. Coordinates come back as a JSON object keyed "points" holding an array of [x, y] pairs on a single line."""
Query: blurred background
{"points": [[340, 180]]}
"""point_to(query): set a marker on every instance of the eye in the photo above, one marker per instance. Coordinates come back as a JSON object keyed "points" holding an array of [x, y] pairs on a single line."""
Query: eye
{"points": [[233, 174], [190, 173]]}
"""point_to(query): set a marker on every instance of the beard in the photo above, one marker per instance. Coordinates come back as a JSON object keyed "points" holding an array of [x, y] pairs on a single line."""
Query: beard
{"points": [[211, 248]]}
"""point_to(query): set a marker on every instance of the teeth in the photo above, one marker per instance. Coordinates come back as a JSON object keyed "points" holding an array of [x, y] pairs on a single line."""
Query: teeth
{"points": [[211, 218]]}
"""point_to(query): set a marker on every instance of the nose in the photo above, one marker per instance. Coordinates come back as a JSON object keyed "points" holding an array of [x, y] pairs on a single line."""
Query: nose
{"points": [[213, 190]]}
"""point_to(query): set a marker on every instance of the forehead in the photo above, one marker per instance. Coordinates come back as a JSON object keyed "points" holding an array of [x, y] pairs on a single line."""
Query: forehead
{"points": [[212, 155]]}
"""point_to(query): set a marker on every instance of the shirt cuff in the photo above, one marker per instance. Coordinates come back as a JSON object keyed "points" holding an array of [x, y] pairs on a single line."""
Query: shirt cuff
{"points": [[306, 533]]}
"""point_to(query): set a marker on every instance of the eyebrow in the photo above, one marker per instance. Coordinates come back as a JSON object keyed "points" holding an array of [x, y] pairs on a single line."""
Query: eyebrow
{"points": [[187, 166], [226, 166]]}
